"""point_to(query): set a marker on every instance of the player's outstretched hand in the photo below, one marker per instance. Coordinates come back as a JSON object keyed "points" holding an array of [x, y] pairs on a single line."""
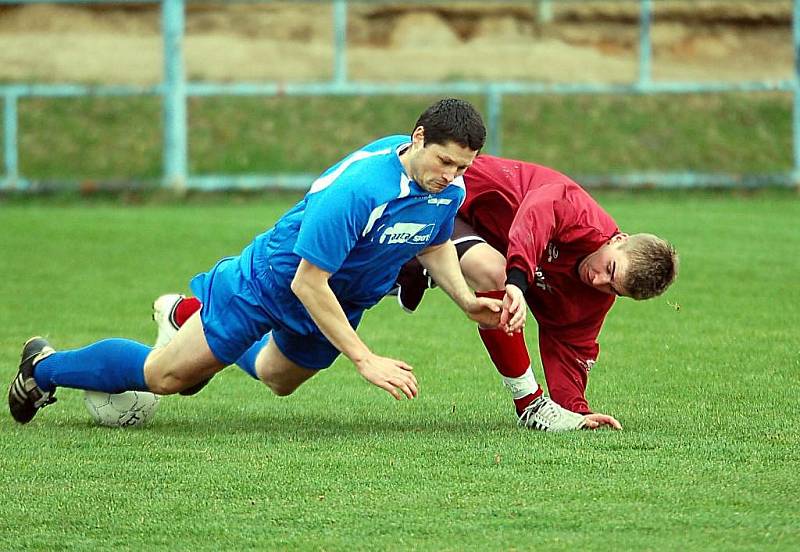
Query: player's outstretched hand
{"points": [[485, 311], [512, 318], [393, 376], [596, 421]]}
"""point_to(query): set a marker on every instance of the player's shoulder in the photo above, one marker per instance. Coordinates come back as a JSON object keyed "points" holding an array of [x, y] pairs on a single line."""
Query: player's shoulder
{"points": [[381, 152], [389, 143], [373, 170], [379, 155]]}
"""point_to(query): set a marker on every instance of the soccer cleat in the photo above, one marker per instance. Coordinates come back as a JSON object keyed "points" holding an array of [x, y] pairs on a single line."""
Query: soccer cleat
{"points": [[544, 414], [164, 315], [24, 395], [412, 281]]}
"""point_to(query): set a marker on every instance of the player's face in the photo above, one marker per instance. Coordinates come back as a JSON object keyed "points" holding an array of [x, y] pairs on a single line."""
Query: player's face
{"points": [[435, 166], [605, 269]]}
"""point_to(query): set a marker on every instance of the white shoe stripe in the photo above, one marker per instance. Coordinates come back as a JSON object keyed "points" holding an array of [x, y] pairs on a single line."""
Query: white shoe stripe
{"points": [[18, 391]]}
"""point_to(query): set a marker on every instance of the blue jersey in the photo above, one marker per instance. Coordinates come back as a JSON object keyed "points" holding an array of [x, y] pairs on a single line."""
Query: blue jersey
{"points": [[361, 221]]}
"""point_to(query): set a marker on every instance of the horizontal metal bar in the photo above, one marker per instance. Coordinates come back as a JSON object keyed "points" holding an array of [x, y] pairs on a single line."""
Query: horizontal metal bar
{"points": [[399, 89], [473, 87], [301, 182], [627, 180], [287, 181], [644, 180], [74, 90], [84, 2], [218, 2], [19, 184]]}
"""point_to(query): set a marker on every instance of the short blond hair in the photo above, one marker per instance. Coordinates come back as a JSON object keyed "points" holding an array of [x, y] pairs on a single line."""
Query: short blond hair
{"points": [[652, 266]]}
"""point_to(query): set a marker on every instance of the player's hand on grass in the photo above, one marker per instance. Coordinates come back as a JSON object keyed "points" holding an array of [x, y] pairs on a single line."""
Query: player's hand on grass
{"points": [[512, 317], [596, 421], [485, 311], [393, 376]]}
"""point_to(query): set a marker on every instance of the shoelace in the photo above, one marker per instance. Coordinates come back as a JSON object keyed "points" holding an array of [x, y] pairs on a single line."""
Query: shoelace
{"points": [[546, 410]]}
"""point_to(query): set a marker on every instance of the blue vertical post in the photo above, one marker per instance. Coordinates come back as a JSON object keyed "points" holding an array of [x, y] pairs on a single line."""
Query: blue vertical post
{"points": [[494, 131], [545, 12], [645, 43], [174, 95], [10, 149], [796, 93], [340, 41]]}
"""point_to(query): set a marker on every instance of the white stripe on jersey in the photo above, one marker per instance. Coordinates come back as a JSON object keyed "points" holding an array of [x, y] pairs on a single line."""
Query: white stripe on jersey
{"points": [[324, 181], [405, 187], [460, 183], [376, 213]]}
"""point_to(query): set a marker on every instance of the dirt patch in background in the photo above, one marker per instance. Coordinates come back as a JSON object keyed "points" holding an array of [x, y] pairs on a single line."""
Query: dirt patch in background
{"points": [[597, 41]]}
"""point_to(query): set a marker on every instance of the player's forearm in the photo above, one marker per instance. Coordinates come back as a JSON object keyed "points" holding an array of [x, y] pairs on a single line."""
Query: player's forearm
{"points": [[443, 266], [326, 312]]}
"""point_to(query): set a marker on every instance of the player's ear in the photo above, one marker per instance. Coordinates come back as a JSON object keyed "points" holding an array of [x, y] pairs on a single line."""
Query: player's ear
{"points": [[418, 136], [621, 237]]}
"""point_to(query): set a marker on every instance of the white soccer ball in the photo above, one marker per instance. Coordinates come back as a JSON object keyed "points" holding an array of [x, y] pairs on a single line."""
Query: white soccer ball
{"points": [[128, 409]]}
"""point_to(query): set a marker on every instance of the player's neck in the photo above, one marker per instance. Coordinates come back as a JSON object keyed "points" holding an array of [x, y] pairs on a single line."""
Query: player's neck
{"points": [[405, 160]]}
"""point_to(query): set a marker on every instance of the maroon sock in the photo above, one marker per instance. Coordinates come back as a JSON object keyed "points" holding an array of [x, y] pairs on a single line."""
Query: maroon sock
{"points": [[509, 353]]}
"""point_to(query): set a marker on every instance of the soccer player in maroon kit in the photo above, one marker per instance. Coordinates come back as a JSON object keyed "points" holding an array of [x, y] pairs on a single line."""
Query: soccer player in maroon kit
{"points": [[529, 234]]}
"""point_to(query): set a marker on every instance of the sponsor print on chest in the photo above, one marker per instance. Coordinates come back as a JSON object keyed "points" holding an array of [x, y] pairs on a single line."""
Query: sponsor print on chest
{"points": [[401, 232]]}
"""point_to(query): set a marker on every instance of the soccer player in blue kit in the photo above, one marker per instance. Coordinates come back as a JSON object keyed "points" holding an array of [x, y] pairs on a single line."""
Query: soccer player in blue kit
{"points": [[290, 302]]}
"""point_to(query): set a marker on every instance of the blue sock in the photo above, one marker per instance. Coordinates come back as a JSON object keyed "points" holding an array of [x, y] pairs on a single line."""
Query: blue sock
{"points": [[247, 361], [111, 365]]}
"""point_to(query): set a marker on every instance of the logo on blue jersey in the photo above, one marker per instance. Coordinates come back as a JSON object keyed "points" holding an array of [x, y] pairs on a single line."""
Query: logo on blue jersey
{"points": [[439, 201], [407, 232]]}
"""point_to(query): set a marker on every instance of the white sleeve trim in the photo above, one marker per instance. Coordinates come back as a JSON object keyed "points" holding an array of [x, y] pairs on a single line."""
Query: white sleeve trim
{"points": [[324, 181]]}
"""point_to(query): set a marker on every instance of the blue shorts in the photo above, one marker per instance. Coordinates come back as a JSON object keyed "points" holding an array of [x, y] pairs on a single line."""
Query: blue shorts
{"points": [[234, 319]]}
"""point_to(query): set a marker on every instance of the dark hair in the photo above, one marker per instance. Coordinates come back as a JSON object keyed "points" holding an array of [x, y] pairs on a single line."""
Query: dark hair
{"points": [[453, 120]]}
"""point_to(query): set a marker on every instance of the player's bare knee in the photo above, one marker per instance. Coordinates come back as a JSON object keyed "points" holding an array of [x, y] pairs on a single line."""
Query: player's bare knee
{"points": [[279, 388], [490, 278], [166, 386]]}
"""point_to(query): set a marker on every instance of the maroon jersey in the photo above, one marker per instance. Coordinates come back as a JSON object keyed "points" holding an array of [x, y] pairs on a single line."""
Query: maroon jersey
{"points": [[545, 224]]}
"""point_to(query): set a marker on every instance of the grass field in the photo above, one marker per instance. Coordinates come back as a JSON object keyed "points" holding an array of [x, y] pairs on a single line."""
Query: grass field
{"points": [[705, 381]]}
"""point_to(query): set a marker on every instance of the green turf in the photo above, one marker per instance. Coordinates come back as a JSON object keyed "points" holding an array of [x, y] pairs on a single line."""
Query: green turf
{"points": [[120, 138], [703, 379]]}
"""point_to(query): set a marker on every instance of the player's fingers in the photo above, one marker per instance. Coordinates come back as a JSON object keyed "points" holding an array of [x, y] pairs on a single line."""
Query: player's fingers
{"points": [[504, 316], [608, 420], [403, 376], [605, 420], [515, 325], [406, 389], [405, 381], [401, 364], [591, 424], [391, 389], [409, 380]]}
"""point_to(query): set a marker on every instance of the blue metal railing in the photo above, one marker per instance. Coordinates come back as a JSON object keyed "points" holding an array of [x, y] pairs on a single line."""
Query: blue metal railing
{"points": [[175, 90]]}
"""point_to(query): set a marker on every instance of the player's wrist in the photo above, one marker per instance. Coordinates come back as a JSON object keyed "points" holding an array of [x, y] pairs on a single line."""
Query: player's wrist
{"points": [[468, 303], [517, 277], [359, 357]]}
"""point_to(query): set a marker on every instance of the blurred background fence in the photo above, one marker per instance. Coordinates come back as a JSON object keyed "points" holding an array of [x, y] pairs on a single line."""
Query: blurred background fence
{"points": [[175, 92]]}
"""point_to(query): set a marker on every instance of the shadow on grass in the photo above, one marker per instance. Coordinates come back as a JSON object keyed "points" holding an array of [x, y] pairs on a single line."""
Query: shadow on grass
{"points": [[305, 426], [309, 426]]}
